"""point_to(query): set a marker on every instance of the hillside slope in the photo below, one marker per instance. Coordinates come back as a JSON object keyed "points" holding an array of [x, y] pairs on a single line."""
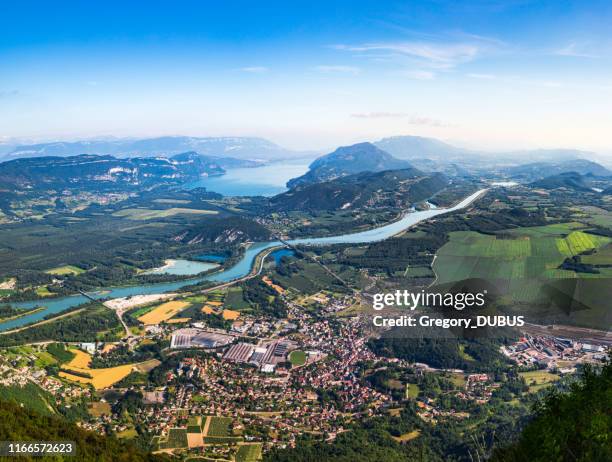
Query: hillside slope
{"points": [[348, 160], [394, 188]]}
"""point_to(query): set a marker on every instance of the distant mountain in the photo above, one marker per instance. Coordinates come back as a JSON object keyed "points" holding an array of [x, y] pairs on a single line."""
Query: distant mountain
{"points": [[538, 170], [545, 155], [568, 180], [417, 147], [395, 188], [236, 147], [348, 160], [200, 161], [102, 172], [435, 155]]}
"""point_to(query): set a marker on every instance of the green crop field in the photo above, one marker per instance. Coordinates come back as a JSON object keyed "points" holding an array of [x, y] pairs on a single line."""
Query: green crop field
{"points": [[234, 299], [520, 254], [249, 453], [536, 380], [520, 262], [220, 426], [177, 438]]}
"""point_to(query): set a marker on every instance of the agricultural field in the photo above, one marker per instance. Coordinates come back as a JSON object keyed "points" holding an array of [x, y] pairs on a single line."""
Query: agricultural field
{"points": [[249, 452], [176, 438], [78, 370], [65, 270], [220, 426], [520, 262], [536, 380], [230, 315], [150, 214], [99, 408], [234, 299], [163, 312]]}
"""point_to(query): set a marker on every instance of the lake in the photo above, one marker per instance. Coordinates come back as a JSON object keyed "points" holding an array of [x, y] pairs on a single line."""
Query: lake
{"points": [[240, 269], [261, 181], [182, 268]]}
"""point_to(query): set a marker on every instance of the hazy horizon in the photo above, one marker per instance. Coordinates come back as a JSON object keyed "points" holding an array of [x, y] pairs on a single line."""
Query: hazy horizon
{"points": [[494, 76]]}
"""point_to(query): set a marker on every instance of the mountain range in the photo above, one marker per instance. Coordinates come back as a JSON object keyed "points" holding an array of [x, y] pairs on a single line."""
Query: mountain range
{"points": [[103, 172], [236, 147], [537, 170], [439, 154]]}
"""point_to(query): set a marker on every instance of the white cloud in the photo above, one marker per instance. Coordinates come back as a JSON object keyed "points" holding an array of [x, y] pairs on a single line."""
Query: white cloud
{"points": [[431, 54], [574, 50], [338, 69], [255, 69]]}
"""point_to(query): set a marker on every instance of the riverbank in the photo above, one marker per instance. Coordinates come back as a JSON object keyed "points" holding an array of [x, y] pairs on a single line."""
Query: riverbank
{"points": [[242, 268]]}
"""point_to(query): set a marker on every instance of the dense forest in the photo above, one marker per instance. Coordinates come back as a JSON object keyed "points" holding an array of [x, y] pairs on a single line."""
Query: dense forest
{"points": [[78, 328], [574, 426]]}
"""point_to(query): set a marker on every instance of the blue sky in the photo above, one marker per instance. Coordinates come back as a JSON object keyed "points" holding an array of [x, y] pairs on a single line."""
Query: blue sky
{"points": [[310, 75]]}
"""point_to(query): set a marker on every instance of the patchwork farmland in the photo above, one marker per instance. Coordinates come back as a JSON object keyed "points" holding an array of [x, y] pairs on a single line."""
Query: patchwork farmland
{"points": [[520, 262]]}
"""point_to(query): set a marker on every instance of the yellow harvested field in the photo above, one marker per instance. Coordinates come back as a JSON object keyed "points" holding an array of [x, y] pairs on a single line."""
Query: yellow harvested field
{"points": [[231, 314], [99, 378], [81, 359], [163, 312], [215, 303], [206, 309], [178, 320]]}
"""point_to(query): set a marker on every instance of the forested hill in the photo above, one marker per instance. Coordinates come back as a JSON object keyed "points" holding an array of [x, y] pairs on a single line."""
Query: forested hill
{"points": [[94, 172], [394, 188], [348, 160], [575, 426], [569, 180], [22, 424], [538, 170]]}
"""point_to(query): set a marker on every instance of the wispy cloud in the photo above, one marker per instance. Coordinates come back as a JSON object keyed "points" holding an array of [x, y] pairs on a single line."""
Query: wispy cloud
{"points": [[338, 69], [431, 54], [575, 50], [255, 69], [412, 119]]}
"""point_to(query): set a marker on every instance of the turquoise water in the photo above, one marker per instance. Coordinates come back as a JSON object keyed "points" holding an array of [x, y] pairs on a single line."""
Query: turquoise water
{"points": [[211, 257], [280, 253], [182, 268], [240, 269], [261, 181]]}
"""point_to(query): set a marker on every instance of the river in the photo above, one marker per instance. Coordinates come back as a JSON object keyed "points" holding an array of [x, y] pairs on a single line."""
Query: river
{"points": [[240, 269]]}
